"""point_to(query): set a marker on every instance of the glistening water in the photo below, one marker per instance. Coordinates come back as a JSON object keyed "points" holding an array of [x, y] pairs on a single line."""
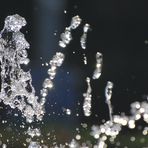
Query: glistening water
{"points": [[27, 108]]}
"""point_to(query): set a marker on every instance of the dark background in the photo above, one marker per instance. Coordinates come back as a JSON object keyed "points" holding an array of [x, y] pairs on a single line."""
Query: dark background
{"points": [[119, 32]]}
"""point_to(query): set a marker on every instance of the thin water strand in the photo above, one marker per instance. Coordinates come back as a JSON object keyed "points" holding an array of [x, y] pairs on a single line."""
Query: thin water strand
{"points": [[83, 38], [83, 41], [99, 63], [87, 99], [108, 95]]}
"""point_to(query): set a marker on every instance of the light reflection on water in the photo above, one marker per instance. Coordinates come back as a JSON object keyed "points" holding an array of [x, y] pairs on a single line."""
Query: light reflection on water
{"points": [[53, 114]]}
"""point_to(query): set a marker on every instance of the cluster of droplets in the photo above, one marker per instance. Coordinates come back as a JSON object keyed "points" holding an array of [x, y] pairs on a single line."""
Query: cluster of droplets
{"points": [[66, 36], [87, 99], [14, 23], [16, 84], [140, 109], [56, 61], [113, 127], [109, 128], [33, 132]]}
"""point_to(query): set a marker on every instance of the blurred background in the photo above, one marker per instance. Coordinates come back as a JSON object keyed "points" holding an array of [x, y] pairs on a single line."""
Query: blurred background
{"points": [[119, 32]]}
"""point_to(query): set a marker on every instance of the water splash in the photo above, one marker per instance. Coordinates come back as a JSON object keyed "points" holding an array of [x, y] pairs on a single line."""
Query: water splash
{"points": [[55, 62], [16, 84], [17, 90]]}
